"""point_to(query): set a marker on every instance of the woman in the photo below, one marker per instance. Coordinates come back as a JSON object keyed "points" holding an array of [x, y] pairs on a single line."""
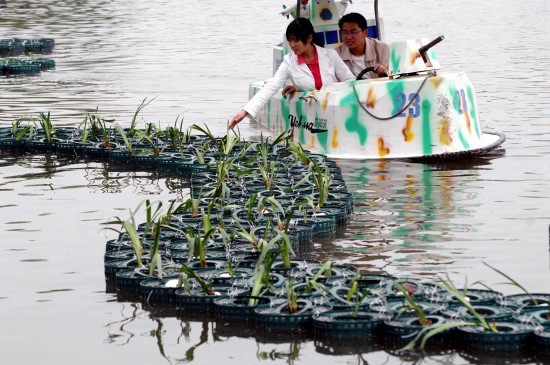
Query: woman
{"points": [[309, 66]]}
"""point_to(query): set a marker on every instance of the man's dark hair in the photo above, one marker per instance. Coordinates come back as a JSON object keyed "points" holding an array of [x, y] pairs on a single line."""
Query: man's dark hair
{"points": [[353, 18]]}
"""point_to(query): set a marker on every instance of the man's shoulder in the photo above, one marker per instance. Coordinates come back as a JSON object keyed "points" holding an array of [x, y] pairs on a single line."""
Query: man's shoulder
{"points": [[378, 44], [342, 50]]}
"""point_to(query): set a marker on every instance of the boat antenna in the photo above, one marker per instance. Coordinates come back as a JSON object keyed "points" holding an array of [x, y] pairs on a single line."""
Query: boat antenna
{"points": [[376, 17]]}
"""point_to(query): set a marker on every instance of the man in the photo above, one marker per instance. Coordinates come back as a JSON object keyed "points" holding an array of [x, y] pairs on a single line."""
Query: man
{"points": [[358, 51]]}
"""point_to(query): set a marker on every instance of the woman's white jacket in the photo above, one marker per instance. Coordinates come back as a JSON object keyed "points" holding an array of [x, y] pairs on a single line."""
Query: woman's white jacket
{"points": [[332, 68]]}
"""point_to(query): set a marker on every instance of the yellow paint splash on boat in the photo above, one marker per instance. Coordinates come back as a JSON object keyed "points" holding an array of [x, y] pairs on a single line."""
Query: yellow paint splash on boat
{"points": [[325, 102], [371, 98], [382, 150], [335, 139], [436, 81], [407, 131], [444, 133]]}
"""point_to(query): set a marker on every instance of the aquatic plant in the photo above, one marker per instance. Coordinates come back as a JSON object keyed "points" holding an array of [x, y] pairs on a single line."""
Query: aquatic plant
{"points": [[19, 131], [322, 180], [125, 137], [160, 220], [312, 284], [174, 135], [248, 235], [133, 123], [424, 321], [206, 287], [261, 282], [191, 205], [206, 131], [47, 126], [513, 283], [151, 137], [98, 126], [129, 228], [198, 244], [430, 331], [298, 152], [292, 296], [356, 295], [229, 141]]}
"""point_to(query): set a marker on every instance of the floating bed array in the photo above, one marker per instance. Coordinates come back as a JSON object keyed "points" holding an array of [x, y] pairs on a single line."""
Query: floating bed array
{"points": [[12, 48], [233, 250]]}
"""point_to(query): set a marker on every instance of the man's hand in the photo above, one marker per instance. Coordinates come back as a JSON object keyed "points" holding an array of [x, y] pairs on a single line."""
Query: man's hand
{"points": [[380, 70]]}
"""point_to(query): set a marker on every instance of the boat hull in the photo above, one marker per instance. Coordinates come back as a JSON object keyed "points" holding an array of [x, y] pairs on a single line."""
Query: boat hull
{"points": [[417, 116]]}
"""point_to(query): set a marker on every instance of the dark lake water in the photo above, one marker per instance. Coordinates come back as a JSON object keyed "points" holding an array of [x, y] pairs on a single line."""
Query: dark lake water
{"points": [[196, 59]]}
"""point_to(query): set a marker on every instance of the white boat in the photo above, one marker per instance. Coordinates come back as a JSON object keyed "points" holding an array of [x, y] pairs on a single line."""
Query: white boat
{"points": [[417, 112]]}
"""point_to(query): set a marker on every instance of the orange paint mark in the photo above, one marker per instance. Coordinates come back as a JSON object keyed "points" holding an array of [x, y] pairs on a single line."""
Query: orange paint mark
{"points": [[436, 81], [445, 133], [464, 107], [414, 56], [407, 131], [371, 98], [325, 102], [382, 150], [335, 139], [468, 123], [312, 141]]}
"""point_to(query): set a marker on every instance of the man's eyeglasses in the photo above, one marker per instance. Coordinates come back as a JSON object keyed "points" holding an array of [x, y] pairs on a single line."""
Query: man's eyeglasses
{"points": [[343, 33]]}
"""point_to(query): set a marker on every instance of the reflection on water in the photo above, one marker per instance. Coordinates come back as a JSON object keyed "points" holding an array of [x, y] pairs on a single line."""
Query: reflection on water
{"points": [[186, 340], [406, 214]]}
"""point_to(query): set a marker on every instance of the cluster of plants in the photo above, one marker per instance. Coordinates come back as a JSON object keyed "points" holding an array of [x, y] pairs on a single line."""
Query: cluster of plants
{"points": [[12, 48], [234, 249]]}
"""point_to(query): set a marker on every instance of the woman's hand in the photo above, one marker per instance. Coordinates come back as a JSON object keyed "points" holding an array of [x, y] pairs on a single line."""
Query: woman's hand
{"points": [[237, 118], [288, 90]]}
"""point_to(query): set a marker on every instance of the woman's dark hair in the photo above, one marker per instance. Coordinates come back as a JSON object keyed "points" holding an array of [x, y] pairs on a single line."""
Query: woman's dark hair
{"points": [[301, 29], [353, 18]]}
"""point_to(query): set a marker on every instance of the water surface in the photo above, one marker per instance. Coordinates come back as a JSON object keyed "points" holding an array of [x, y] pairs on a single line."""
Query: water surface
{"points": [[196, 59]]}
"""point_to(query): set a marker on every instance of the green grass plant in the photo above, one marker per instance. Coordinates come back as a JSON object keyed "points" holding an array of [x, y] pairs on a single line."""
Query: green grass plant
{"points": [[174, 135], [321, 179], [206, 131], [125, 137], [513, 283], [424, 321], [133, 123], [19, 131], [206, 287], [151, 136], [430, 331], [356, 295], [47, 126]]}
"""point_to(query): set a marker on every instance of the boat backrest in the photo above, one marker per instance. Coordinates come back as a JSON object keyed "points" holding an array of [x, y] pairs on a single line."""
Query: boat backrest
{"points": [[406, 59]]}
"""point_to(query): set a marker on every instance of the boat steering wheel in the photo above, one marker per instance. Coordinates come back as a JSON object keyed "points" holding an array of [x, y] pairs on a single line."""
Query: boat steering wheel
{"points": [[368, 69]]}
